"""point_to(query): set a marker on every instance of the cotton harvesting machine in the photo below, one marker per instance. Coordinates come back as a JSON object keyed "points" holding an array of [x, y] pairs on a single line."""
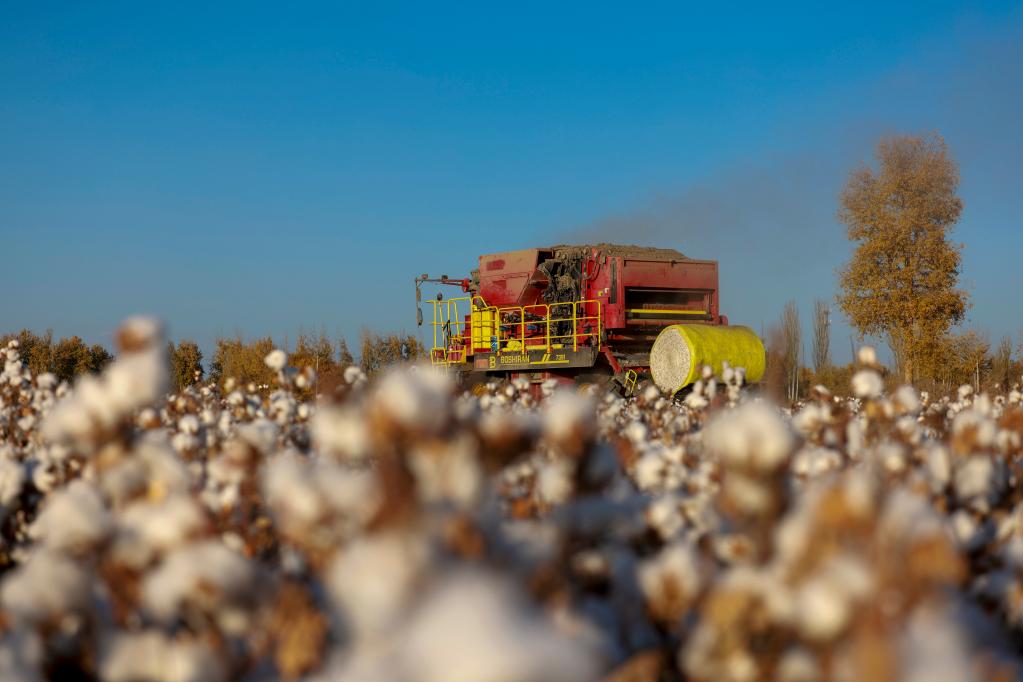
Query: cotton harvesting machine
{"points": [[587, 313]]}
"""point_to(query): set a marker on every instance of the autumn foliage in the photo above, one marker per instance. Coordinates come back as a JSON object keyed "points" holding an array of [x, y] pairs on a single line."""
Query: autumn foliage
{"points": [[65, 359], [901, 283]]}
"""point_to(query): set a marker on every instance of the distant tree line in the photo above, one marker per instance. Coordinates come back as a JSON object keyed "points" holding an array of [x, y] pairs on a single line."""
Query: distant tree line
{"points": [[244, 360], [232, 357], [65, 358], [966, 357]]}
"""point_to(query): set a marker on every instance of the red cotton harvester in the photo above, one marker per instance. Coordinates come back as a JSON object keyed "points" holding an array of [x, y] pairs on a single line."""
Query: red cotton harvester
{"points": [[588, 313]]}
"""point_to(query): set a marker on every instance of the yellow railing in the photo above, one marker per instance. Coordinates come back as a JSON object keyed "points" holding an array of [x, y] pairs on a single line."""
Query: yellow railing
{"points": [[540, 326]]}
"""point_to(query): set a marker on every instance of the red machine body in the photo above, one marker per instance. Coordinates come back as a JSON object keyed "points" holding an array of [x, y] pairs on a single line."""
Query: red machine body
{"points": [[622, 297]]}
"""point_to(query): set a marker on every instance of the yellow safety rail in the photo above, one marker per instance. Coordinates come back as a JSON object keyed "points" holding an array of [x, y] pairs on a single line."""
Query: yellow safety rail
{"points": [[519, 329], [665, 311]]}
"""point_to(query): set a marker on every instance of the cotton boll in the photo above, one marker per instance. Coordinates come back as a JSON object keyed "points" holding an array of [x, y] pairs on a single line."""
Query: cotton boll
{"points": [[569, 420], [282, 406], [548, 387], [972, 431], [751, 435], [145, 529], [136, 380], [164, 468], [815, 461], [448, 472], [665, 516], [306, 378], [499, 638], [825, 602], [184, 443], [316, 503], [139, 333], [909, 428], [276, 359], [48, 584], [372, 580], [45, 476], [189, 424], [206, 575], [12, 362], [906, 400], [892, 457], [867, 384], [749, 495], [354, 376], [260, 434], [810, 418], [671, 581], [906, 516], [290, 490], [153, 656], [696, 400], [74, 519], [968, 533], [867, 356], [860, 492], [416, 402], [978, 481], [341, 431], [354, 494], [650, 471], [76, 417], [555, 481], [636, 432], [26, 423]]}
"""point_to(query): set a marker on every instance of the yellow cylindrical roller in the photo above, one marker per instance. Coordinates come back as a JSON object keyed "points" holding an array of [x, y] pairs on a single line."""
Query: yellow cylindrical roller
{"points": [[681, 351]]}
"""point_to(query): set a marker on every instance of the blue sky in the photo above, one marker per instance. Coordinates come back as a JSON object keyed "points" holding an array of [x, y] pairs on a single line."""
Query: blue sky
{"points": [[255, 169]]}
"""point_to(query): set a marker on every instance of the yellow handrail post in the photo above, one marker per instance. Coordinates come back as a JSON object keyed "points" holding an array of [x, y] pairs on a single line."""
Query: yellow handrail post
{"points": [[575, 330], [547, 334], [522, 329]]}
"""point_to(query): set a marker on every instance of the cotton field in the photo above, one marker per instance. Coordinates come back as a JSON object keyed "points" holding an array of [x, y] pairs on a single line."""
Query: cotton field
{"points": [[402, 530]]}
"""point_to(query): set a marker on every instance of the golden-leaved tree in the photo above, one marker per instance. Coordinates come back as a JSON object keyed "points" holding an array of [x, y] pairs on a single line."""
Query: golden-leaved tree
{"points": [[382, 351], [901, 282], [185, 364], [243, 361]]}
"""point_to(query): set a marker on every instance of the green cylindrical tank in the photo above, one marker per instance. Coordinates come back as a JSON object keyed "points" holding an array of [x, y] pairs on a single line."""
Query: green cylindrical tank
{"points": [[681, 351]]}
